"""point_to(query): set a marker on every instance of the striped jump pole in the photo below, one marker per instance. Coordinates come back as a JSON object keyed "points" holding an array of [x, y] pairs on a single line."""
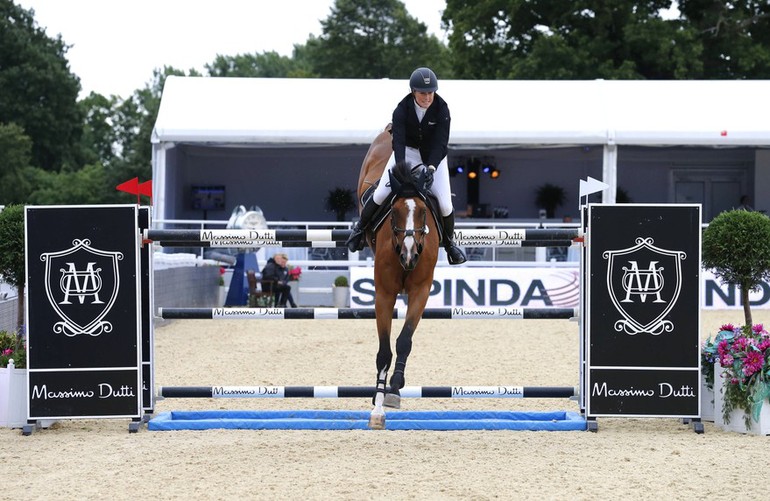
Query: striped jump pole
{"points": [[339, 245], [512, 237], [366, 392], [458, 312]]}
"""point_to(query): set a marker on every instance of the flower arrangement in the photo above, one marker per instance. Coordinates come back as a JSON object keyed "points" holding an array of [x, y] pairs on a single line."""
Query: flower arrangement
{"points": [[294, 273], [12, 347], [744, 354]]}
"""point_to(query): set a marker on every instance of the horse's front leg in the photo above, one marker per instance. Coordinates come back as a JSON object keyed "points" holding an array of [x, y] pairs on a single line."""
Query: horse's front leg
{"points": [[384, 309], [416, 306]]}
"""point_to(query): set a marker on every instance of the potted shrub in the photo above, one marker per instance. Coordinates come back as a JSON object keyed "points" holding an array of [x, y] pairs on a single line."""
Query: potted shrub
{"points": [[736, 245], [341, 292], [340, 201], [13, 402], [549, 197], [13, 378], [12, 267]]}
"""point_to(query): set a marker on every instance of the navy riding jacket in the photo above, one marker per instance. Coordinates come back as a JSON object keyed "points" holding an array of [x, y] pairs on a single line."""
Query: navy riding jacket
{"points": [[431, 136]]}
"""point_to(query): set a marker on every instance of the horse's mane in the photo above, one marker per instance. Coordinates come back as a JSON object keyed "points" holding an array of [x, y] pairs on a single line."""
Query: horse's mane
{"points": [[407, 183]]}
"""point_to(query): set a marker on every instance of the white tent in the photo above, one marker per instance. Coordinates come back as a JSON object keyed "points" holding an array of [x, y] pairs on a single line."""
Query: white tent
{"points": [[263, 111]]}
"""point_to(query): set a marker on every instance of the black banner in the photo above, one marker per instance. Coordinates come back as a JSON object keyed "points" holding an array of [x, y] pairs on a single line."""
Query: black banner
{"points": [[643, 310], [83, 311], [148, 335]]}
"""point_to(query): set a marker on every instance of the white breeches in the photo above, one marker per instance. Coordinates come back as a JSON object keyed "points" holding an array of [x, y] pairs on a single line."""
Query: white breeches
{"points": [[440, 188]]}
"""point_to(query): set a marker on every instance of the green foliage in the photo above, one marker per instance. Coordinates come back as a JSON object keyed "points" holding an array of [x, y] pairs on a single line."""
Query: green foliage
{"points": [[38, 91], [265, 65], [736, 245], [549, 197], [15, 154], [340, 201], [735, 37], [341, 281], [374, 39], [85, 186], [12, 347], [568, 39], [12, 245]]}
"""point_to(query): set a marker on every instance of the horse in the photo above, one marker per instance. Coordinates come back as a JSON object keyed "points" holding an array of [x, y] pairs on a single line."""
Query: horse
{"points": [[405, 252]]}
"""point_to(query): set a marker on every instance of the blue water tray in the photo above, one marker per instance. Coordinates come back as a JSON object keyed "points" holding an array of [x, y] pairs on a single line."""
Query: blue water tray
{"points": [[358, 420]]}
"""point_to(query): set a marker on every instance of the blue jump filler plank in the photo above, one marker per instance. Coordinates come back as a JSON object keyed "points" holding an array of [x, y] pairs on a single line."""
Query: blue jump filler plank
{"points": [[358, 420]]}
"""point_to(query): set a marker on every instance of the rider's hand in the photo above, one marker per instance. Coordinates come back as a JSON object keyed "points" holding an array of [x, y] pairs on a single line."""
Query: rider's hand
{"points": [[429, 176]]}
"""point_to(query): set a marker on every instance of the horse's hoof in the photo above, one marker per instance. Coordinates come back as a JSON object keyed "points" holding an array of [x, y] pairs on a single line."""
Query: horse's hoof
{"points": [[392, 400], [377, 421]]}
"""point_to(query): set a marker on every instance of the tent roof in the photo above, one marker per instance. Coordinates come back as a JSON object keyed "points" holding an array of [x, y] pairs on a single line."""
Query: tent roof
{"points": [[484, 112]]}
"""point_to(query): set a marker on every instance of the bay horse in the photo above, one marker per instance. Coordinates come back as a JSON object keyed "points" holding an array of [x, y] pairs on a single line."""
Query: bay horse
{"points": [[405, 250]]}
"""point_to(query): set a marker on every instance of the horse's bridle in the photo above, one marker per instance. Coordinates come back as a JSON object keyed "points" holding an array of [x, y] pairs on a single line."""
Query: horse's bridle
{"points": [[410, 233]]}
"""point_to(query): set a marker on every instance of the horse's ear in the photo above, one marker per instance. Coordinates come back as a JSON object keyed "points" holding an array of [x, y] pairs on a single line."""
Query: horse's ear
{"points": [[395, 184]]}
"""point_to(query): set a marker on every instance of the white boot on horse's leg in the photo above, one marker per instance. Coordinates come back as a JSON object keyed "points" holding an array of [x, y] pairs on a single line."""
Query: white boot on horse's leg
{"points": [[377, 417]]}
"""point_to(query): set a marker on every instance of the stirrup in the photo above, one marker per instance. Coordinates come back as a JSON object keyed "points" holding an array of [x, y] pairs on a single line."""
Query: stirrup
{"points": [[355, 241]]}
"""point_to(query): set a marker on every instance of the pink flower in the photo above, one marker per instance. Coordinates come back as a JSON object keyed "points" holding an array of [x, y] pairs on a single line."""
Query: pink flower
{"points": [[726, 360], [727, 327], [740, 344], [753, 363], [8, 351], [723, 347], [758, 328]]}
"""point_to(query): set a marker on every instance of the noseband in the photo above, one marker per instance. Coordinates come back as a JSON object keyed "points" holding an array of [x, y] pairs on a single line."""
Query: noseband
{"points": [[423, 230]]}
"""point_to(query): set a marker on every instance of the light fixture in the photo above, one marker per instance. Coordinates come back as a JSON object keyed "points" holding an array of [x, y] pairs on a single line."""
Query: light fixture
{"points": [[489, 166], [458, 167], [473, 168]]}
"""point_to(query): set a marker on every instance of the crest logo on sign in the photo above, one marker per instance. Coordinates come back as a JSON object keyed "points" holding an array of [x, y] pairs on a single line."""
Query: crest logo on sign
{"points": [[82, 284], [644, 283]]}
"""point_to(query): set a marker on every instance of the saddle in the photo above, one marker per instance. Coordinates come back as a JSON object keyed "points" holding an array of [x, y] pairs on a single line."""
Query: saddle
{"points": [[385, 209]]}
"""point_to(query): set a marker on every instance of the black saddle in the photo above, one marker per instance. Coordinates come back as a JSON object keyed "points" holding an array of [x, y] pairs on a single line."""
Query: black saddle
{"points": [[402, 187]]}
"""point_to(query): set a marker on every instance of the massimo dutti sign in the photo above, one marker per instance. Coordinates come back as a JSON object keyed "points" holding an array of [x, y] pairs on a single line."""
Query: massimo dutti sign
{"points": [[83, 311], [643, 315]]}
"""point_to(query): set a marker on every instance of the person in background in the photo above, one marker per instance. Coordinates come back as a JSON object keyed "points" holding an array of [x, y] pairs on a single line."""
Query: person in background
{"points": [[420, 130], [745, 204], [275, 279]]}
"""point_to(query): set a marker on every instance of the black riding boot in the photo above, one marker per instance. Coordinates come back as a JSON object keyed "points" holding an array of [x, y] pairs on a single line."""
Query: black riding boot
{"points": [[454, 254], [355, 241]]}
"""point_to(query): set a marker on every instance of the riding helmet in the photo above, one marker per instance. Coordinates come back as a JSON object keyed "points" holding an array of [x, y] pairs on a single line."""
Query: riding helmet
{"points": [[423, 80]]}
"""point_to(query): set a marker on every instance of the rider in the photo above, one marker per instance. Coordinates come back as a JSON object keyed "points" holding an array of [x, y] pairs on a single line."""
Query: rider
{"points": [[420, 136]]}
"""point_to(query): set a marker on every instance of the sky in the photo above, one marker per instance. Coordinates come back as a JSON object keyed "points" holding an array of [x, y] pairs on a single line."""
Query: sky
{"points": [[116, 44]]}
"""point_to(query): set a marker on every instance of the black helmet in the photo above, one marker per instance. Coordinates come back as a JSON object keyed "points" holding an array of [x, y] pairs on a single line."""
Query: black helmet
{"points": [[423, 80]]}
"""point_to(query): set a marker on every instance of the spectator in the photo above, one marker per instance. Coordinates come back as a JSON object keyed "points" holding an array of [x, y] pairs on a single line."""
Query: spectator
{"points": [[275, 279]]}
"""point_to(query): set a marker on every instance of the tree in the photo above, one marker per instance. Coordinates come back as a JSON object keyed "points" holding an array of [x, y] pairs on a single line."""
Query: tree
{"points": [[12, 266], [38, 91], [265, 65], [374, 39], [85, 186], [15, 149], [568, 39], [735, 37], [736, 245]]}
